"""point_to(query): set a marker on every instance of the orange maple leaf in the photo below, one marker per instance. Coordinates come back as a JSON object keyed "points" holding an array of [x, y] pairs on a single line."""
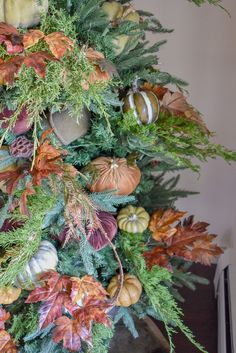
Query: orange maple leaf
{"points": [[161, 223], [32, 37], [93, 55], [59, 44], [7, 344], [11, 38]]}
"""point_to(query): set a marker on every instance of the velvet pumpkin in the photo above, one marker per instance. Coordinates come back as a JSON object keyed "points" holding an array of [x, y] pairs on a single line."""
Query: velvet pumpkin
{"points": [[114, 174], [22, 13], [97, 239], [44, 259], [9, 295], [133, 219], [131, 290]]}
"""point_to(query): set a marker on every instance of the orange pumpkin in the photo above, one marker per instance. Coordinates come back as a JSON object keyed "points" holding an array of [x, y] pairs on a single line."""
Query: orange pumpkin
{"points": [[8, 295], [114, 174], [130, 293]]}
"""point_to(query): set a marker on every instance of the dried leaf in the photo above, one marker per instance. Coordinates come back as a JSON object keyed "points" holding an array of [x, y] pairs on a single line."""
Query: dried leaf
{"points": [[190, 241], [161, 223], [7, 344], [70, 332], [38, 62], [159, 91], [86, 286], [174, 102], [193, 242], [32, 37], [12, 178], [59, 44], [9, 69], [48, 161], [4, 316]]}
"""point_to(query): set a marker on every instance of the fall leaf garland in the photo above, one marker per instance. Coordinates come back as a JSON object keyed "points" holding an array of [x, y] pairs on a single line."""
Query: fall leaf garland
{"points": [[17, 43], [187, 240], [83, 298]]}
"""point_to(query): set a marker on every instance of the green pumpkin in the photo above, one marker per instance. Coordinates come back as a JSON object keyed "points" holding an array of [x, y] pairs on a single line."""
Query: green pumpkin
{"points": [[22, 13], [145, 105], [133, 219]]}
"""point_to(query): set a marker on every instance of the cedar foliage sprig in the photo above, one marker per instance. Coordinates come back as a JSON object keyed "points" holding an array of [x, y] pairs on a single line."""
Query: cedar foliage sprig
{"points": [[159, 296]]}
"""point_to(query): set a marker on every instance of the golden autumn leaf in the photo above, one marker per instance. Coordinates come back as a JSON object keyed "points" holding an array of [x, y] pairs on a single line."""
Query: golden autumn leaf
{"points": [[32, 37], [59, 44], [161, 223], [86, 286]]}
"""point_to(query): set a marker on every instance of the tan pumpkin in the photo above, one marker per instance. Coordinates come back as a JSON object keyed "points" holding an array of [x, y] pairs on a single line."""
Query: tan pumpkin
{"points": [[44, 260], [22, 13], [130, 293], [145, 105], [133, 219], [9, 295], [114, 174]]}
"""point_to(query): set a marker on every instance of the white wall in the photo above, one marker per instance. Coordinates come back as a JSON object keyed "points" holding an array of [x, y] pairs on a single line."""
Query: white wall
{"points": [[202, 50]]}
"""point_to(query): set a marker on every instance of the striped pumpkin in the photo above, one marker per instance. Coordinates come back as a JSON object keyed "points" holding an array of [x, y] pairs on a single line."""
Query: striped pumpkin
{"points": [[44, 259], [145, 105]]}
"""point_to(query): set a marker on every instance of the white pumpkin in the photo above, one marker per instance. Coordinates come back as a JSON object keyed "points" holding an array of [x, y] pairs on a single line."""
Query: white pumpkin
{"points": [[45, 259]]}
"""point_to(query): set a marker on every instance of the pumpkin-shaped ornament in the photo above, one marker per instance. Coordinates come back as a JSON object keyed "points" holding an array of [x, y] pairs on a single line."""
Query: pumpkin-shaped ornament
{"points": [[22, 13], [133, 219], [9, 295], [114, 174], [44, 260], [131, 290], [145, 106]]}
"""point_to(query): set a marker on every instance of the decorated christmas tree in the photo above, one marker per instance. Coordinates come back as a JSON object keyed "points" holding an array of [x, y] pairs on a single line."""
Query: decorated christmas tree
{"points": [[89, 128]]}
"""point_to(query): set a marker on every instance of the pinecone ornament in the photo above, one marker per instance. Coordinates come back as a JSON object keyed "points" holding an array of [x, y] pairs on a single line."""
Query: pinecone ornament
{"points": [[21, 148]]}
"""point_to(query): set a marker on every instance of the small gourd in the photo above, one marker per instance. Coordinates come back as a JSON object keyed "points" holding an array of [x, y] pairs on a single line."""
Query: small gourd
{"points": [[133, 219], [44, 259], [113, 10], [22, 13], [131, 290], [145, 106], [9, 295]]}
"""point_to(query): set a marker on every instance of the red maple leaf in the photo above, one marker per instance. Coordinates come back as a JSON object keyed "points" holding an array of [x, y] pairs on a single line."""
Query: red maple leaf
{"points": [[13, 177], [59, 44], [70, 332], [38, 62], [11, 38], [9, 69]]}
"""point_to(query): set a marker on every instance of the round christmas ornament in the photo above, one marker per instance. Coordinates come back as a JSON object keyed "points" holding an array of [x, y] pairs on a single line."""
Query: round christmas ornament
{"points": [[69, 128], [133, 219], [145, 105], [131, 290], [22, 124], [21, 147], [44, 260], [97, 238], [114, 174], [22, 13], [9, 295]]}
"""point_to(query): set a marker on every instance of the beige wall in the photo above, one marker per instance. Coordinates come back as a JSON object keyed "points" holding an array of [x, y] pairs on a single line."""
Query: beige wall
{"points": [[202, 50]]}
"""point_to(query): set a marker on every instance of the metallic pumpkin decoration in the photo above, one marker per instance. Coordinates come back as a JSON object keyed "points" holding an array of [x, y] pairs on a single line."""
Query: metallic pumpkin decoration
{"points": [[145, 105], [130, 293], [133, 219], [22, 13], [45, 259]]}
